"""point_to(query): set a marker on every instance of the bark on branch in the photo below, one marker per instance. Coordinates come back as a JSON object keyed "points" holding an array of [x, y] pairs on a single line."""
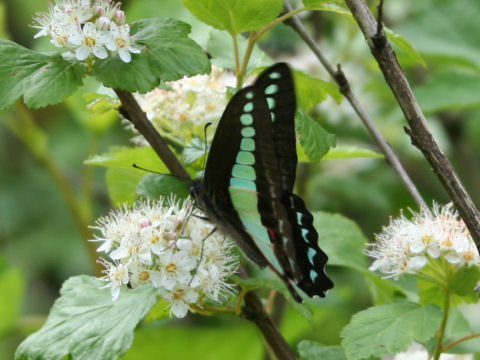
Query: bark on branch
{"points": [[419, 132], [339, 76]]}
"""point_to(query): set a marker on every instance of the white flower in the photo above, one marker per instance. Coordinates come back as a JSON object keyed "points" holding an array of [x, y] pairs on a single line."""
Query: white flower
{"points": [[90, 41], [85, 27], [418, 352], [191, 101], [160, 244], [116, 275], [406, 245], [120, 42]]}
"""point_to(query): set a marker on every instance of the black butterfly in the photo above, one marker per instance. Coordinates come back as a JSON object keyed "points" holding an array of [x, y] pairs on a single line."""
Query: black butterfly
{"points": [[248, 184]]}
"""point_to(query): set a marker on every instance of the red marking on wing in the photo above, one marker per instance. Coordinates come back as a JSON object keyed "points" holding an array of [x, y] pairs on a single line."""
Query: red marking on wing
{"points": [[271, 232], [224, 196]]}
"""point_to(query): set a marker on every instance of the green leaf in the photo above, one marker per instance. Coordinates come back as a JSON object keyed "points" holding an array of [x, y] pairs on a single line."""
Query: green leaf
{"points": [[349, 152], [84, 323], [237, 341], [235, 16], [446, 32], [160, 311], [169, 54], [341, 239], [11, 296], [312, 350], [42, 79], [277, 285], [462, 287], [313, 138], [153, 186], [450, 90], [125, 157], [403, 44], [195, 149], [310, 90], [220, 47], [389, 328], [122, 185], [335, 6], [103, 111], [382, 290]]}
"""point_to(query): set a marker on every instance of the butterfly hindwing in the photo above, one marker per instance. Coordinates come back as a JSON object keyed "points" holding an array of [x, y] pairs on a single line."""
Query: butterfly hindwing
{"points": [[248, 183]]}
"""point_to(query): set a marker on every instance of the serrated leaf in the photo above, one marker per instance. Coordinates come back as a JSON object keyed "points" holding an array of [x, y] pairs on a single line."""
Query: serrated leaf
{"points": [[350, 152], [341, 239], [195, 149], [169, 54], [220, 47], [312, 350], [84, 323], [42, 79], [389, 329], [313, 138], [277, 285], [311, 90], [153, 186], [235, 16], [405, 45]]}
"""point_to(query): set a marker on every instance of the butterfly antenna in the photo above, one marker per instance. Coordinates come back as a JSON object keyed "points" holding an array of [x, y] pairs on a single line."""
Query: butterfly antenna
{"points": [[206, 146], [159, 173]]}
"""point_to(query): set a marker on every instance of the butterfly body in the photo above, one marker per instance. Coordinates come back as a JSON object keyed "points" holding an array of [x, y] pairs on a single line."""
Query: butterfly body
{"points": [[248, 184]]}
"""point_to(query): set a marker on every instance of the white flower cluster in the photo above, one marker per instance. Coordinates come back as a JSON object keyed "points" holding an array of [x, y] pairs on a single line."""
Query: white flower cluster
{"points": [[193, 100], [417, 352], [162, 245], [406, 245], [87, 28]]}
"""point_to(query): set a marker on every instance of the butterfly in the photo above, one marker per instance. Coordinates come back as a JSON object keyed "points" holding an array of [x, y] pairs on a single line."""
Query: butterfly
{"points": [[248, 182]]}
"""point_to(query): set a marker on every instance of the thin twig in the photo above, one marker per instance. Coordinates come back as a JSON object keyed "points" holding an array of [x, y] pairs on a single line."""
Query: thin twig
{"points": [[253, 309], [458, 341], [419, 132], [342, 82]]}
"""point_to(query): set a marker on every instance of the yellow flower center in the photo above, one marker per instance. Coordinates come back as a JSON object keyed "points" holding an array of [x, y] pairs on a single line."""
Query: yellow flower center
{"points": [[90, 41], [179, 294], [144, 275], [171, 267], [121, 43]]}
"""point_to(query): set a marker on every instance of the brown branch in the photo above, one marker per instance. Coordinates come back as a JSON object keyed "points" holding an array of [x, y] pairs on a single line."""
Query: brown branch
{"points": [[132, 111], [419, 133], [458, 341], [253, 309], [344, 87]]}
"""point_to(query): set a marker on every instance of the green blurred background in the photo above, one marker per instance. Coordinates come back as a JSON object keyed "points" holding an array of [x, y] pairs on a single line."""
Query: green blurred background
{"points": [[41, 246]]}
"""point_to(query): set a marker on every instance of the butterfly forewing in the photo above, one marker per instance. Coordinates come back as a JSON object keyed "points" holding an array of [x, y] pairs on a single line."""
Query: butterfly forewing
{"points": [[249, 180]]}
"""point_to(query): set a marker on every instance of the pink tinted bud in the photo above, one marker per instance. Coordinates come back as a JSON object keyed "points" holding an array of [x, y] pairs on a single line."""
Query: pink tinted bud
{"points": [[98, 10], [119, 17], [144, 222], [102, 23]]}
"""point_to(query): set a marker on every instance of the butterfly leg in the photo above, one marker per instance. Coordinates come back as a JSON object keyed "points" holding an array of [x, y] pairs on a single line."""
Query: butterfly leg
{"points": [[201, 253]]}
